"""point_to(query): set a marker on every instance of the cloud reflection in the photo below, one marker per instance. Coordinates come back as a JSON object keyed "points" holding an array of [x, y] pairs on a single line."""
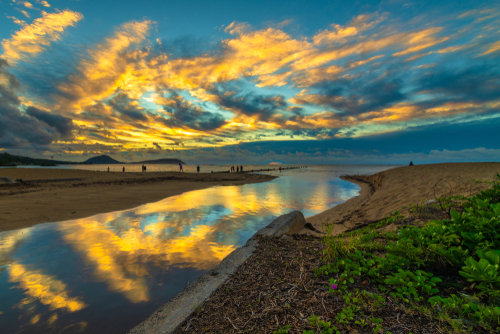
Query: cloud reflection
{"points": [[46, 289]]}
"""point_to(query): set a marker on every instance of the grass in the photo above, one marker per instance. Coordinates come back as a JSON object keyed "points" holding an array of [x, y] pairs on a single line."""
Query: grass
{"points": [[448, 269]]}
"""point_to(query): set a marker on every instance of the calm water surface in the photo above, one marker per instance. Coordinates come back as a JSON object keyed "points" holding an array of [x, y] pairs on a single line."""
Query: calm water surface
{"points": [[108, 272]]}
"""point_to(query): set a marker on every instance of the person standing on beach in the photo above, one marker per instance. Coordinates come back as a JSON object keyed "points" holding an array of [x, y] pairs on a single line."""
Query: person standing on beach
{"points": [[108, 169], [198, 168], [180, 167], [241, 168], [411, 163], [280, 169], [123, 169]]}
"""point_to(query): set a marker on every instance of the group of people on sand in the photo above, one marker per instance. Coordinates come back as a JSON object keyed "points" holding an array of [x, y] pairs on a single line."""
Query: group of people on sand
{"points": [[143, 168], [239, 169]]}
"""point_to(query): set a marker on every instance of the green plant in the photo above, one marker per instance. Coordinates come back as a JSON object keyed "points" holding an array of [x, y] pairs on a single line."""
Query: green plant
{"points": [[347, 314], [282, 330], [325, 327], [407, 284], [485, 272], [377, 323]]}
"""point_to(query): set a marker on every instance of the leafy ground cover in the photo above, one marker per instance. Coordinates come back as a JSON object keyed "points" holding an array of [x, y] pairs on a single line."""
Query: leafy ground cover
{"points": [[399, 275]]}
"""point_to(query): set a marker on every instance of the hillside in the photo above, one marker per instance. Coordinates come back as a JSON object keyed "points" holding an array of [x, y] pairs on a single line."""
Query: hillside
{"points": [[102, 160], [7, 159]]}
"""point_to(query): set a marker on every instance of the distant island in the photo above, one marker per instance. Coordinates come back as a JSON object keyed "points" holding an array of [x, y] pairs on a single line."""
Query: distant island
{"points": [[7, 159], [102, 160]]}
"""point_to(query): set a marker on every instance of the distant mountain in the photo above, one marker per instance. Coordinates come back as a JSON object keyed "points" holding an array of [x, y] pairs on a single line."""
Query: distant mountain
{"points": [[102, 160], [7, 159], [162, 161]]}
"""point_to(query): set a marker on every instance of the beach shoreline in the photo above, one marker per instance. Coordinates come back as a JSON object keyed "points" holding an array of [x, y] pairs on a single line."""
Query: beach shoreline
{"points": [[392, 189], [40, 199]]}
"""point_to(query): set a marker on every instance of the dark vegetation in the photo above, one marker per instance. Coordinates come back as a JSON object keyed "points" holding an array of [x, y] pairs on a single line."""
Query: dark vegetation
{"points": [[434, 271], [7, 159]]}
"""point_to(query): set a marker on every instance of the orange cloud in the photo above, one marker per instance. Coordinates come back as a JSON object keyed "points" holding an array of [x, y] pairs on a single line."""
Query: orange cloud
{"points": [[421, 40], [494, 47], [17, 21], [341, 34], [34, 38], [108, 68]]}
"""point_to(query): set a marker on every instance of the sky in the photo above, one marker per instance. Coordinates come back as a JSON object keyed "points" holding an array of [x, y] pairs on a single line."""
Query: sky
{"points": [[321, 82]]}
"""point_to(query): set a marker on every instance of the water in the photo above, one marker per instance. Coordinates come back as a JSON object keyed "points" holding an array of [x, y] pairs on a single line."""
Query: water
{"points": [[108, 272]]}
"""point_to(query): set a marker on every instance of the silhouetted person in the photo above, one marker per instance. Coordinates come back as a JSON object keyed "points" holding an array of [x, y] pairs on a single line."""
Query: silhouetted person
{"points": [[145, 168], [180, 167], [411, 163], [123, 169], [237, 169], [108, 169], [241, 168], [198, 168]]}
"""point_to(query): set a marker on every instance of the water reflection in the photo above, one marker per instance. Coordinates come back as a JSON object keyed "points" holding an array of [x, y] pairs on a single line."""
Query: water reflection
{"points": [[108, 272]]}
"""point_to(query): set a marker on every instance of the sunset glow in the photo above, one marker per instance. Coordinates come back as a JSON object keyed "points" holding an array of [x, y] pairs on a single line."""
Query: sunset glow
{"points": [[75, 83]]}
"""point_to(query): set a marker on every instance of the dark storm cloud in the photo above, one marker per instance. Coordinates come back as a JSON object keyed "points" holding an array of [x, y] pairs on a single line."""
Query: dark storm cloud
{"points": [[361, 95], [122, 104], [35, 127], [62, 124], [250, 104], [478, 83], [184, 114]]}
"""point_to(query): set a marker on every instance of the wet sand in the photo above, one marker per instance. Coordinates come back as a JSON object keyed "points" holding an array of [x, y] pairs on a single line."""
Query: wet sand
{"points": [[24, 205], [390, 190]]}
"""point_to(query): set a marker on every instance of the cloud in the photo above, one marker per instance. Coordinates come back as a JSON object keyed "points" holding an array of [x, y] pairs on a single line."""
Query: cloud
{"points": [[494, 47], [184, 114], [62, 124], [341, 34], [43, 3], [17, 21], [34, 38], [261, 107], [107, 68], [33, 127], [364, 77], [127, 107]]}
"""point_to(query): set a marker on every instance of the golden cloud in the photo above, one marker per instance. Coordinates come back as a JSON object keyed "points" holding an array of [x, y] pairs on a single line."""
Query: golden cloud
{"points": [[34, 38], [341, 34], [17, 21], [494, 47]]}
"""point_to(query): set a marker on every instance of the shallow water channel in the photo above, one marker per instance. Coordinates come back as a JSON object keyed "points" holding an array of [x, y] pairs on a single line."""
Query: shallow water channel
{"points": [[108, 272]]}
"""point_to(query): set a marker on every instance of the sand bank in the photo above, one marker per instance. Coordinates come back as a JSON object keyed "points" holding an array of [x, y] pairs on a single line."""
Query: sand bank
{"points": [[390, 190], [24, 205]]}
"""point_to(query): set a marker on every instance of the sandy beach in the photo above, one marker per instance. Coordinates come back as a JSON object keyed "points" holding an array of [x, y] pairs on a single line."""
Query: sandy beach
{"points": [[390, 190], [28, 204]]}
